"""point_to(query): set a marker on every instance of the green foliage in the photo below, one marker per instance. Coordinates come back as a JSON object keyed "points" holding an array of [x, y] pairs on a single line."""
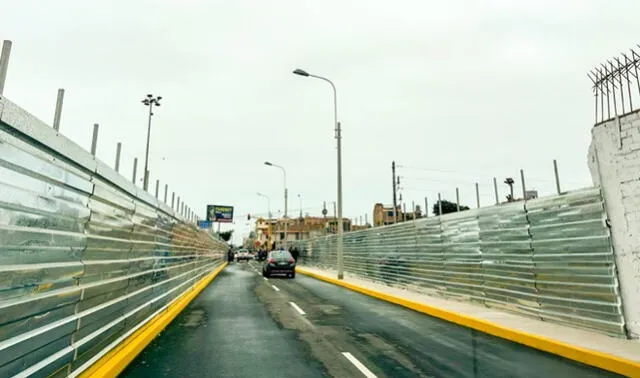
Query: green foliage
{"points": [[226, 235], [447, 207]]}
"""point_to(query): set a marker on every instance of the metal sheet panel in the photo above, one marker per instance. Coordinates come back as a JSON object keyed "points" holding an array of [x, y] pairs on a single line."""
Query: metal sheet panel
{"points": [[548, 258], [574, 262], [84, 254]]}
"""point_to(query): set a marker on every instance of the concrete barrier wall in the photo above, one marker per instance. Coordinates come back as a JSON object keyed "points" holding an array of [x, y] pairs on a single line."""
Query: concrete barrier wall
{"points": [[86, 258], [549, 258], [614, 161]]}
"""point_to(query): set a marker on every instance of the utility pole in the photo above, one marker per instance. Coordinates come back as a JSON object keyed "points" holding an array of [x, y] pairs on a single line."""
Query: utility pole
{"points": [[149, 101], [395, 201], [335, 216]]}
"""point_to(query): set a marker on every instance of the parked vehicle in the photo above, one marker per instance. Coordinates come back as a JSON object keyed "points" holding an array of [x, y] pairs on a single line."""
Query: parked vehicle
{"points": [[279, 262], [243, 254]]}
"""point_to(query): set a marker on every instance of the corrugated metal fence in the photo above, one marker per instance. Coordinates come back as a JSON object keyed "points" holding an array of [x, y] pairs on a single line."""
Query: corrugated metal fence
{"points": [[85, 256], [549, 258]]}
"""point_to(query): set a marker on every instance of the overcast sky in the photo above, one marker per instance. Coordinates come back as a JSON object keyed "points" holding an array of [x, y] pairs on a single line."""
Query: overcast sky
{"points": [[455, 91]]}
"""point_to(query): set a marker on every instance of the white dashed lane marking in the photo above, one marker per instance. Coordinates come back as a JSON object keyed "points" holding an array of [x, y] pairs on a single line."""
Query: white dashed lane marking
{"points": [[363, 369]]}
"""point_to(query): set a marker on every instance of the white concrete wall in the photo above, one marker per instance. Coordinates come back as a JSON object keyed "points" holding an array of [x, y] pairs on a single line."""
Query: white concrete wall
{"points": [[614, 162]]}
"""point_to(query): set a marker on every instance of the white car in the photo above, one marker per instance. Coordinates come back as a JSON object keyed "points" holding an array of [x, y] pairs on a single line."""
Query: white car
{"points": [[243, 254]]}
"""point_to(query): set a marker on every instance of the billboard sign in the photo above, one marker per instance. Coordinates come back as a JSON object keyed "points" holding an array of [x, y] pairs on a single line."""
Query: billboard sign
{"points": [[220, 213]]}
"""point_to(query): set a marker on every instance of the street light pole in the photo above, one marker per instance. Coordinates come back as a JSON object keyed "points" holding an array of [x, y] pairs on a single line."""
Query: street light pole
{"points": [[286, 195], [300, 198], [268, 203], [338, 137], [150, 101]]}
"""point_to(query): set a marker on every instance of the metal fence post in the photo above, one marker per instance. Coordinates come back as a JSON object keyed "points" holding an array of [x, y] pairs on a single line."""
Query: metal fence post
{"points": [[166, 192], [524, 188], [173, 200], [94, 140], [4, 63], [555, 171], [439, 205], [426, 207], [58, 113], [118, 150], [157, 188], [135, 169], [457, 199], [477, 196], [495, 189]]}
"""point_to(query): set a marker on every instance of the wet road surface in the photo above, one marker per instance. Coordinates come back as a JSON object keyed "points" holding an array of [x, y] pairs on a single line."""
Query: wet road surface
{"points": [[245, 326]]}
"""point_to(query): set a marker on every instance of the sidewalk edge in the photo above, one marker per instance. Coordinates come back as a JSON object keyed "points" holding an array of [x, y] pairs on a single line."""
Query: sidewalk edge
{"points": [[586, 356]]}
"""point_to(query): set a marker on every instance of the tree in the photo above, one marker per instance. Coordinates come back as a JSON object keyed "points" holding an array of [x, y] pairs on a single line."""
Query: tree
{"points": [[447, 207], [226, 236]]}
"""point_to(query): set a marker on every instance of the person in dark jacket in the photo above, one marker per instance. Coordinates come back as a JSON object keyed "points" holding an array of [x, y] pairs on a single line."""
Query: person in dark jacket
{"points": [[295, 253], [230, 256]]}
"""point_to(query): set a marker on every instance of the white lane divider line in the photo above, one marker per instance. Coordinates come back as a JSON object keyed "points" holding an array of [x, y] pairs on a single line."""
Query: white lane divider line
{"points": [[297, 308], [275, 288], [363, 369], [265, 278]]}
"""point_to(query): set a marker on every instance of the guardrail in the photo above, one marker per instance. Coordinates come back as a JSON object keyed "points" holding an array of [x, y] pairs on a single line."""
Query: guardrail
{"points": [[549, 258], [86, 258]]}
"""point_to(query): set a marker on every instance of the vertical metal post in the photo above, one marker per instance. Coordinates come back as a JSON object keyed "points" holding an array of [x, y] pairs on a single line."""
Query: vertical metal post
{"points": [[366, 221], [477, 196], [524, 188], [94, 140], [339, 174], [135, 169], [555, 171], [495, 189], [4, 63], [173, 200], [146, 156], [58, 113], [118, 150], [439, 205], [457, 199], [413, 207], [178, 205], [426, 207], [166, 192], [395, 202], [404, 212], [157, 188]]}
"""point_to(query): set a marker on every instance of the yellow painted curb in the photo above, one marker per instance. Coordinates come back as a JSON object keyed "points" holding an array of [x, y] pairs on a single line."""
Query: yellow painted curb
{"points": [[586, 356], [114, 362]]}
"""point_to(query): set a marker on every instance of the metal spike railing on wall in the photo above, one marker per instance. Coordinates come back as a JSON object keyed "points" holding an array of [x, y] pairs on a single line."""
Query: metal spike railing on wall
{"points": [[612, 83]]}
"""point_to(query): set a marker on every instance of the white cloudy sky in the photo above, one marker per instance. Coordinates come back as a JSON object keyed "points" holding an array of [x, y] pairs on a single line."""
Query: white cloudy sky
{"points": [[462, 90]]}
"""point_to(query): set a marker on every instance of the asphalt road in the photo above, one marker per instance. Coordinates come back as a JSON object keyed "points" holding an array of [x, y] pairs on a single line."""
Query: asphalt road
{"points": [[245, 326]]}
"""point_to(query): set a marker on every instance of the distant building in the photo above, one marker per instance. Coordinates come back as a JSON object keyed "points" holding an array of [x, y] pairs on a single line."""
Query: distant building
{"points": [[384, 215], [269, 231]]}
